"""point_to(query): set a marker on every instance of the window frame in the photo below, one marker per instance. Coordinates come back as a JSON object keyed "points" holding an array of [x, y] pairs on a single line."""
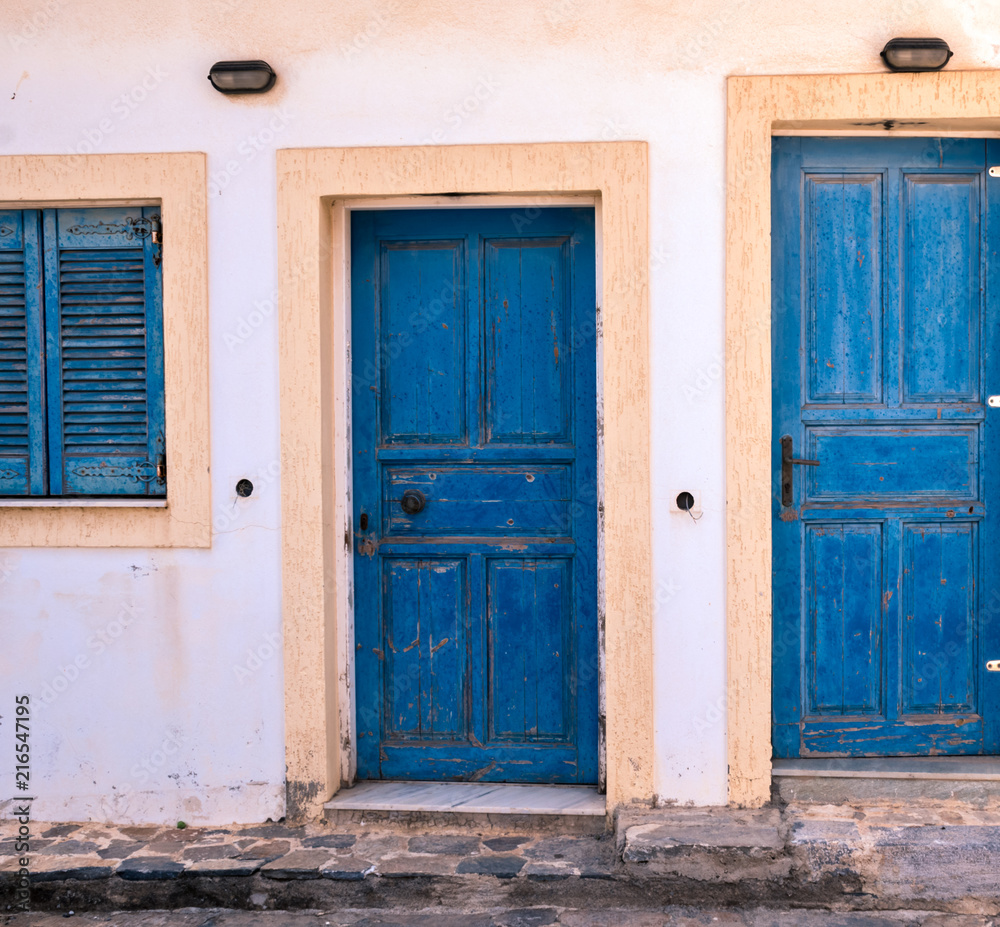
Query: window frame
{"points": [[51, 455], [176, 183]]}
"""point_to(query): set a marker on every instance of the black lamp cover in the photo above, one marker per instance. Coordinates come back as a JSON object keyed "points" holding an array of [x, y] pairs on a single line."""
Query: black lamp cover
{"points": [[916, 54], [242, 76]]}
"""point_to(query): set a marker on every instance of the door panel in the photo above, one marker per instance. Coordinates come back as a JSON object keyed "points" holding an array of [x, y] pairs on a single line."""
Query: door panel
{"points": [[887, 463], [478, 499], [527, 313], [475, 494], [845, 627], [844, 287], [942, 291], [939, 586], [423, 393], [530, 654], [425, 647], [884, 337]]}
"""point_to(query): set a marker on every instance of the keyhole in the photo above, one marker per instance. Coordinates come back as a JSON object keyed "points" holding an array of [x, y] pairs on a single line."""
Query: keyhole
{"points": [[364, 521]]}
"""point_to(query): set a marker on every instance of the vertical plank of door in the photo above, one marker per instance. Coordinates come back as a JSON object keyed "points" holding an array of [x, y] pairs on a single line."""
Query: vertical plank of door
{"points": [[477, 685], [893, 613], [789, 371], [988, 591], [366, 498], [580, 376]]}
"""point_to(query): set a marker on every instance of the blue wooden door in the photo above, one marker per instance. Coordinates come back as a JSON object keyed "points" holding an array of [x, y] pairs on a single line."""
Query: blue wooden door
{"points": [[475, 494], [885, 329]]}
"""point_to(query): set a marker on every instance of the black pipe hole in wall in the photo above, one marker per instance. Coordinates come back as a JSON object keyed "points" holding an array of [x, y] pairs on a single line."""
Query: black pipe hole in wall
{"points": [[685, 501], [244, 488]]}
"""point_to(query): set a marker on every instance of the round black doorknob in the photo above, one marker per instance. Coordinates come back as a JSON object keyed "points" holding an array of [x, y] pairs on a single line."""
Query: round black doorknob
{"points": [[413, 501]]}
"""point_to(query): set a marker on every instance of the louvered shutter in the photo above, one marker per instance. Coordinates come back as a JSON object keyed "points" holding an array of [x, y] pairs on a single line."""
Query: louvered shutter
{"points": [[104, 341], [22, 390]]}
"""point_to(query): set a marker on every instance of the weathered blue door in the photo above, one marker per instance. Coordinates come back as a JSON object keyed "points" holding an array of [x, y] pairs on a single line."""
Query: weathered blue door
{"points": [[475, 502], [885, 352]]}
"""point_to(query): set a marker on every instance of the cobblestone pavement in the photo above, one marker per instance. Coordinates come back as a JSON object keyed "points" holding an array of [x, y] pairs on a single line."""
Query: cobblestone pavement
{"points": [[523, 917], [842, 858], [278, 852]]}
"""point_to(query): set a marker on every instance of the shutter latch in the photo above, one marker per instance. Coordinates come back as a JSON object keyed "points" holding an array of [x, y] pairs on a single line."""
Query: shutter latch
{"points": [[161, 468], [157, 236]]}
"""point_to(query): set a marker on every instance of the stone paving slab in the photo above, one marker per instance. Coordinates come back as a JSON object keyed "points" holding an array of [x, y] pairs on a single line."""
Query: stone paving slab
{"points": [[221, 868], [301, 864], [81, 868]]}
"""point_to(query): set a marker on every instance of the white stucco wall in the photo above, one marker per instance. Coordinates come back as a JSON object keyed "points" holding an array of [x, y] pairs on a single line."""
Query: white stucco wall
{"points": [[177, 710]]}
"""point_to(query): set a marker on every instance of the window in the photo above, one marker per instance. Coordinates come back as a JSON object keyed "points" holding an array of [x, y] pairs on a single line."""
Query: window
{"points": [[81, 353]]}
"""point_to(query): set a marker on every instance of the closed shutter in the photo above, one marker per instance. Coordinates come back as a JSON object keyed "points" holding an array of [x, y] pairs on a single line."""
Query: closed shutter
{"points": [[22, 389], [104, 341]]}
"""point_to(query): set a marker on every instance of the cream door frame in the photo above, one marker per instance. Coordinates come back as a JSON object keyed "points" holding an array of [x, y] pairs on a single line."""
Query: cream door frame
{"points": [[947, 102], [313, 351]]}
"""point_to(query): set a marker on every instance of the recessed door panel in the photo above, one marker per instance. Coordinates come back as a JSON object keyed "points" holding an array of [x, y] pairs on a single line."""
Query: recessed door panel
{"points": [[844, 216], [939, 639], [531, 655], [844, 589], [526, 327], [426, 646], [941, 287], [421, 343]]}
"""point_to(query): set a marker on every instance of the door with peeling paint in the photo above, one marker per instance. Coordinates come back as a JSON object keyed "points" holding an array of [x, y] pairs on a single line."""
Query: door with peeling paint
{"points": [[884, 337], [475, 495]]}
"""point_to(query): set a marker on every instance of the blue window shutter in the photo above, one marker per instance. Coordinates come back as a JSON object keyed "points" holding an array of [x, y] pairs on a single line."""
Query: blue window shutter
{"points": [[22, 384], [104, 340]]}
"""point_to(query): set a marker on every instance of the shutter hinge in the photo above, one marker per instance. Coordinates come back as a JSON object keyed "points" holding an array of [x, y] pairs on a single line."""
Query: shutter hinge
{"points": [[995, 172], [161, 468]]}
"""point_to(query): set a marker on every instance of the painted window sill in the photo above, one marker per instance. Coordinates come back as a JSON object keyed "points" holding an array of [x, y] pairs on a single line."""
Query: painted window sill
{"points": [[83, 503]]}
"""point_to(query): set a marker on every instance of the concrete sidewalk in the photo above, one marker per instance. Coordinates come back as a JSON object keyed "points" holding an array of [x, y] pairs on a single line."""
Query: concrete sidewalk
{"points": [[808, 856]]}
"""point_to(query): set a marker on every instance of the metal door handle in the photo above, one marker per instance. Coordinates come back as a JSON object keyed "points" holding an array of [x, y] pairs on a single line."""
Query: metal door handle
{"points": [[788, 460], [413, 501]]}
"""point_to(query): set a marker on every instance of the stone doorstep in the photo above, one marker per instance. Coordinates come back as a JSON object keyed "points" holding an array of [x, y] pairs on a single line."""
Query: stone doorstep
{"points": [[947, 855]]}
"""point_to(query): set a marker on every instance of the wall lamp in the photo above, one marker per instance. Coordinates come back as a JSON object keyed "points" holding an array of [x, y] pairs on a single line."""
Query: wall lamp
{"points": [[916, 54], [242, 76]]}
